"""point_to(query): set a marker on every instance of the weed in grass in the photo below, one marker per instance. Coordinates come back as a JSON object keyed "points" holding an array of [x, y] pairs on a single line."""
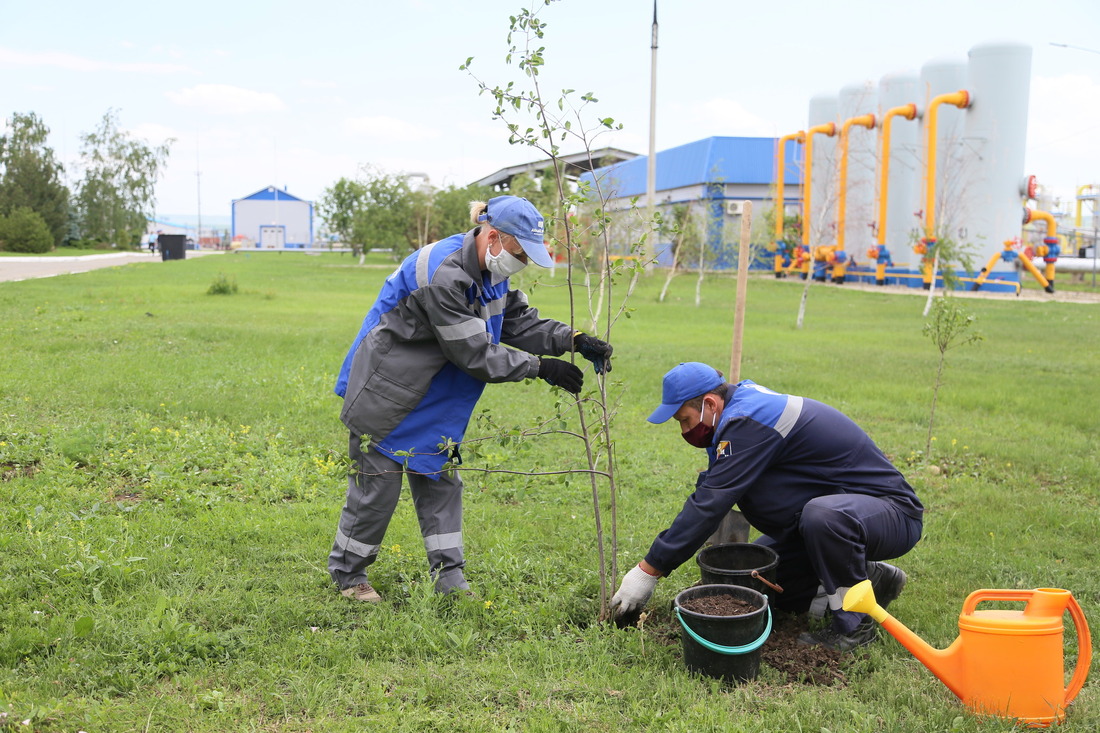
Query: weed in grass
{"points": [[222, 285]]}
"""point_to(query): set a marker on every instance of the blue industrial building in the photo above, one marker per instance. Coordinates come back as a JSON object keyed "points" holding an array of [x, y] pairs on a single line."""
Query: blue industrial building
{"points": [[712, 176]]}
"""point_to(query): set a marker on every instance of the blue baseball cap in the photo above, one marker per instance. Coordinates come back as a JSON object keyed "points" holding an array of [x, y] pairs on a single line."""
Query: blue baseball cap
{"points": [[685, 381], [519, 217]]}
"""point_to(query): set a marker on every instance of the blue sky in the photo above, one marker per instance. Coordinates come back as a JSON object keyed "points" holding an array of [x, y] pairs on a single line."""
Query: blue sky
{"points": [[300, 94]]}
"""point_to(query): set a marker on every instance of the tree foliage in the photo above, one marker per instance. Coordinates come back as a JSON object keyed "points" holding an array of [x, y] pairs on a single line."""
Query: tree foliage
{"points": [[338, 206], [380, 209], [24, 230], [31, 176], [386, 217], [117, 192], [451, 207]]}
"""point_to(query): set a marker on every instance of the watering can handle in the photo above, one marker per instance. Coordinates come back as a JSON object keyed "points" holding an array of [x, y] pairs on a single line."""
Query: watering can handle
{"points": [[978, 596], [1084, 650]]}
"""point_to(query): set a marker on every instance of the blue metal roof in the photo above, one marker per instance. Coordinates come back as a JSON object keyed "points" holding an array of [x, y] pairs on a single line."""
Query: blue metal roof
{"points": [[270, 193], [744, 160]]}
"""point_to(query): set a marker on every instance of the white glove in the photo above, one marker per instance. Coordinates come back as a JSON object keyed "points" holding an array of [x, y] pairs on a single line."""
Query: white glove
{"points": [[635, 591]]}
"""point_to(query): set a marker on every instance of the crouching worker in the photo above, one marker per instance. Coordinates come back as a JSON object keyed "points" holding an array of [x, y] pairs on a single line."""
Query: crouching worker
{"points": [[434, 337], [822, 494]]}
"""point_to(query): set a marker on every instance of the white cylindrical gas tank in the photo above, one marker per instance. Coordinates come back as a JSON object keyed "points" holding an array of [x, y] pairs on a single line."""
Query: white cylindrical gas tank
{"points": [[999, 80], [943, 76], [855, 100], [903, 224], [822, 225]]}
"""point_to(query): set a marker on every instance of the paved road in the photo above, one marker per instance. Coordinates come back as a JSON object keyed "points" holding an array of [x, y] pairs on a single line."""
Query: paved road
{"points": [[26, 268]]}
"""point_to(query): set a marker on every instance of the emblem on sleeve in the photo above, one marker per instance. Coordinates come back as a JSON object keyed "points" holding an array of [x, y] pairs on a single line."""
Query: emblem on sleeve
{"points": [[723, 449]]}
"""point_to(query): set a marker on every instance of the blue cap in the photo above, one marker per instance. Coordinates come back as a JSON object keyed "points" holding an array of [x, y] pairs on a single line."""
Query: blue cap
{"points": [[519, 217], [685, 381]]}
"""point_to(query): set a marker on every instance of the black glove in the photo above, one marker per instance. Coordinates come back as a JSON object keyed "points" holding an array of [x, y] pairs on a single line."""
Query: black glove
{"points": [[596, 351], [561, 374]]}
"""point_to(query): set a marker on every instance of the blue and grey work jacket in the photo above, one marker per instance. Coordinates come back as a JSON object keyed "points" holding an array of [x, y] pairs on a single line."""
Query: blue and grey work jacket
{"points": [[430, 343], [771, 454]]}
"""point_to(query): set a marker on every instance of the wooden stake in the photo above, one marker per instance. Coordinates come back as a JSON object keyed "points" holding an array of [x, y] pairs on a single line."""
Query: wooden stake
{"points": [[742, 281]]}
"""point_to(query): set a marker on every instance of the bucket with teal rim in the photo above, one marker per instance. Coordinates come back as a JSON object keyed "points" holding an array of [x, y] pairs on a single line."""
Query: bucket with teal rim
{"points": [[724, 647]]}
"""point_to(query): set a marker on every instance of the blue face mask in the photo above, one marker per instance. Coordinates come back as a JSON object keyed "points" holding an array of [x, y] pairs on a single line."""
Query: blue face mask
{"points": [[702, 434]]}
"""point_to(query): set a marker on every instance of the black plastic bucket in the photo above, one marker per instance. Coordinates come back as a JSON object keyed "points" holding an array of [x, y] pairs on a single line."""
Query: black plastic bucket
{"points": [[724, 647], [734, 564]]}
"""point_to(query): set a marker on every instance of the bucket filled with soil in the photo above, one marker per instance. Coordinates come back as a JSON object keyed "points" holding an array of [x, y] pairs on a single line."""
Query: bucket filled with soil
{"points": [[724, 627], [740, 563]]}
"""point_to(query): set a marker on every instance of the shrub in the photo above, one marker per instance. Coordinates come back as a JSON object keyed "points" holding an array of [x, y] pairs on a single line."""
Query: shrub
{"points": [[222, 285], [24, 230]]}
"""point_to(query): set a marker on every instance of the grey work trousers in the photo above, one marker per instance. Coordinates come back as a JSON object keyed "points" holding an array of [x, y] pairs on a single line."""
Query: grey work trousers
{"points": [[373, 490]]}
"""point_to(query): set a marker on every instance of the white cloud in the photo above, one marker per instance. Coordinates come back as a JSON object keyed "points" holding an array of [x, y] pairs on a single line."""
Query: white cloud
{"points": [[389, 129], [727, 117], [1064, 111], [69, 62], [153, 133], [226, 99], [1063, 122]]}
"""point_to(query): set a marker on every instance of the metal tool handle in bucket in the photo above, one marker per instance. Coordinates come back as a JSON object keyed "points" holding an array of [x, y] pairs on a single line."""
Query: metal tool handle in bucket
{"points": [[730, 650]]}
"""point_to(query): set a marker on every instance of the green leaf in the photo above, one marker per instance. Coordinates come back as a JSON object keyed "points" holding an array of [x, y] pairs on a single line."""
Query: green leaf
{"points": [[83, 626]]}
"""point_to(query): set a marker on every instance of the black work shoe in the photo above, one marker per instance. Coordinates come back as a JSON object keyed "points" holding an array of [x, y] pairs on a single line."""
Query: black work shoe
{"points": [[832, 639], [887, 581]]}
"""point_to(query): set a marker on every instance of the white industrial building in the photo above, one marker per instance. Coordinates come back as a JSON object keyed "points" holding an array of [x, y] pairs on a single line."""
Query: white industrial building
{"points": [[272, 218]]}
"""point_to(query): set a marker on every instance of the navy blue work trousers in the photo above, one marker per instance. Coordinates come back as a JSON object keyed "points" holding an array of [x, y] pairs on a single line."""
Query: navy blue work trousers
{"points": [[836, 537]]}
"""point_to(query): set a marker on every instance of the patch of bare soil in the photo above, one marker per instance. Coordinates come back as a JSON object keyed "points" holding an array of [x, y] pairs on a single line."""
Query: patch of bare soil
{"points": [[11, 471], [810, 665]]}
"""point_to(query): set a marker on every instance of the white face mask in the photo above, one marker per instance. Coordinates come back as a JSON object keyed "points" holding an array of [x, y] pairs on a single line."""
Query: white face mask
{"points": [[503, 264]]}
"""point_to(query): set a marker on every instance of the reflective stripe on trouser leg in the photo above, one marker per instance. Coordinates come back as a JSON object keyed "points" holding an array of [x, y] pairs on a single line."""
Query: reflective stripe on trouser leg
{"points": [[439, 510], [373, 491]]}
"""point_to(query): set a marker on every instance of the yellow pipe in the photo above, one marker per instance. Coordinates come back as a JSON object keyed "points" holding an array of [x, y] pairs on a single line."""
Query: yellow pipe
{"points": [[909, 112], [780, 160], [1052, 226], [1077, 220], [867, 121], [1052, 233], [1030, 267], [829, 129], [960, 99], [989, 265]]}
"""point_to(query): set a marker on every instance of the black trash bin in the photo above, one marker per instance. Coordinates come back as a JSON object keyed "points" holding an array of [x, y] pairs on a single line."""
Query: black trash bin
{"points": [[172, 246]]}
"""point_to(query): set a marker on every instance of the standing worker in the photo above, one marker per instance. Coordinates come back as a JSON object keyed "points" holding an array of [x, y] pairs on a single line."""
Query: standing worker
{"points": [[415, 371], [823, 495]]}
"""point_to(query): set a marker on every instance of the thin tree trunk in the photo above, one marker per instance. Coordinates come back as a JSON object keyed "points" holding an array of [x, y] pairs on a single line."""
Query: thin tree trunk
{"points": [[932, 286], [672, 270], [802, 302], [932, 414]]}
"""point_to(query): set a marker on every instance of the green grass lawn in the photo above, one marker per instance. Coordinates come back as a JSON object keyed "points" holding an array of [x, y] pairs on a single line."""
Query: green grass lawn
{"points": [[172, 469]]}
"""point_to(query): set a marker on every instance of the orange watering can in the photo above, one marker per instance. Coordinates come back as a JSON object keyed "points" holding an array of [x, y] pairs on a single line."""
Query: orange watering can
{"points": [[1004, 663]]}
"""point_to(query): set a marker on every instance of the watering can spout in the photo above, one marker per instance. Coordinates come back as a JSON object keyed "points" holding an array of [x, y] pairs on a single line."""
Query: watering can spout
{"points": [[944, 663]]}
